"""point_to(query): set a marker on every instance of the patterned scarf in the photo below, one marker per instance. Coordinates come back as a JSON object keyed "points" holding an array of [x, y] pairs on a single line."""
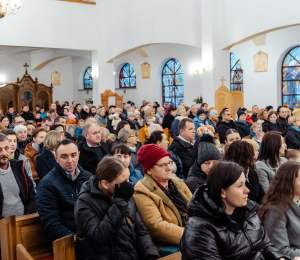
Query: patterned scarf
{"points": [[174, 195]]}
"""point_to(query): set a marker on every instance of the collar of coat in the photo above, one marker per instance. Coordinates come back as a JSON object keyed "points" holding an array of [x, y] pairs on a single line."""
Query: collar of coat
{"points": [[151, 185]]}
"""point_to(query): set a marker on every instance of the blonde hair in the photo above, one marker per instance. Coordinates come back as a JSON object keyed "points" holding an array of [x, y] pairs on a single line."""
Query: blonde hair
{"points": [[256, 124], [293, 119], [52, 139], [100, 109], [111, 138], [259, 134], [292, 154], [148, 111], [180, 110], [104, 133], [260, 114]]}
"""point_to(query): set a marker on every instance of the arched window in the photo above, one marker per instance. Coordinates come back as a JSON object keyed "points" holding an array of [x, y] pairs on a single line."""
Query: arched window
{"points": [[291, 78], [236, 73], [88, 80], [172, 83], [127, 77]]}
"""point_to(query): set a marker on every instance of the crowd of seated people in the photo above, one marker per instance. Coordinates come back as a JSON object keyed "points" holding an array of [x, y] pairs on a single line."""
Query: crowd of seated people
{"points": [[207, 184]]}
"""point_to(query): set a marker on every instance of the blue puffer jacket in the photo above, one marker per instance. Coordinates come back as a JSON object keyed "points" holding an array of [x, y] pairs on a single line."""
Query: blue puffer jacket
{"points": [[178, 163], [198, 123], [56, 198], [208, 121], [135, 175]]}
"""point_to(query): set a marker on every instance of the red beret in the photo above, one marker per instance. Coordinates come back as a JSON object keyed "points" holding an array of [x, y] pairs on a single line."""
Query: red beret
{"points": [[149, 154]]}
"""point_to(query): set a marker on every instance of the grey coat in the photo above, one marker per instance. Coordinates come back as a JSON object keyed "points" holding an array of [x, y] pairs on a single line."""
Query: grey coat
{"points": [[266, 173], [284, 231]]}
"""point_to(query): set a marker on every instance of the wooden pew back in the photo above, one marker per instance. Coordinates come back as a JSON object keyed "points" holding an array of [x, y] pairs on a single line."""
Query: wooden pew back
{"points": [[64, 248], [176, 256], [142, 135], [25, 230]]}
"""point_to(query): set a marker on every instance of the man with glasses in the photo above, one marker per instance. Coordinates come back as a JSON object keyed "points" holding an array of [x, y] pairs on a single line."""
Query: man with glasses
{"points": [[18, 120], [226, 124]]}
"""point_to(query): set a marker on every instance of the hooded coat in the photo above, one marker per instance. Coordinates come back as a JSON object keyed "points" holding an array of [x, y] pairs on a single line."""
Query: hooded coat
{"points": [[223, 127], [292, 138], [211, 234], [110, 228]]}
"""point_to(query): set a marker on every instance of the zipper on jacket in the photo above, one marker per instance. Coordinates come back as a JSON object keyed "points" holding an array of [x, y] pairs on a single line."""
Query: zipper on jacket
{"points": [[72, 196]]}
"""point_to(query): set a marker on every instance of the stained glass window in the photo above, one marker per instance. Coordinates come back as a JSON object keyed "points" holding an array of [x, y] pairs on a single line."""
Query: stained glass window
{"points": [[127, 77], [236, 73], [172, 83], [88, 80], [291, 79]]}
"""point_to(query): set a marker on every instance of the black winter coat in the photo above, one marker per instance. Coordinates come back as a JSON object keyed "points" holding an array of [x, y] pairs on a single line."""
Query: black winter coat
{"points": [[283, 122], [27, 116], [109, 126], [211, 234], [254, 117], [268, 126], [134, 125], [185, 151], [45, 162], [91, 156], [22, 145], [196, 177], [27, 192], [56, 198], [223, 127], [243, 129], [256, 191], [110, 228], [292, 138], [167, 122]]}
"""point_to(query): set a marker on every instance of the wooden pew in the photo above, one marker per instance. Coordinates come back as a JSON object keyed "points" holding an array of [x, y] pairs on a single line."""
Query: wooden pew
{"points": [[22, 238], [171, 140], [176, 256], [247, 137], [217, 136], [167, 133]]}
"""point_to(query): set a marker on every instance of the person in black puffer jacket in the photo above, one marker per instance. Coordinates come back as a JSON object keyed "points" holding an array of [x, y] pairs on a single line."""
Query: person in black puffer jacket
{"points": [[242, 125], [225, 125], [109, 224], [283, 117], [292, 134], [222, 223], [207, 155], [272, 124]]}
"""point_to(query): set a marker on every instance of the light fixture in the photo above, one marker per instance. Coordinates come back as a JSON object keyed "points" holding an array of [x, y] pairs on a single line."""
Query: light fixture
{"points": [[114, 73], [2, 81], [94, 74], [206, 69], [9, 7], [196, 72]]}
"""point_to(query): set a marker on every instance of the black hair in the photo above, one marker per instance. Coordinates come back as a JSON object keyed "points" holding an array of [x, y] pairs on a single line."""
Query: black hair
{"points": [[120, 148], [47, 118], [65, 142], [53, 127], [56, 120], [155, 137], [120, 126]]}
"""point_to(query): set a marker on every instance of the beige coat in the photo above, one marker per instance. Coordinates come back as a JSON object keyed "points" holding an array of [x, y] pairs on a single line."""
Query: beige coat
{"points": [[159, 214]]}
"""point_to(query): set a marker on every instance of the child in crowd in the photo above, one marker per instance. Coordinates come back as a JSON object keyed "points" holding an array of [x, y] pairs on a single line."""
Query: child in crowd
{"points": [[138, 117], [66, 114], [292, 155], [52, 115], [258, 138], [242, 125], [255, 128], [79, 128], [37, 119], [115, 120], [43, 114], [148, 123], [71, 113], [292, 134]]}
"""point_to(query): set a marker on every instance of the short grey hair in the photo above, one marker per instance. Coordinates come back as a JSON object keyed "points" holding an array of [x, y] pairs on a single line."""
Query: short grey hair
{"points": [[87, 126], [160, 108], [151, 128], [193, 106], [3, 138]]}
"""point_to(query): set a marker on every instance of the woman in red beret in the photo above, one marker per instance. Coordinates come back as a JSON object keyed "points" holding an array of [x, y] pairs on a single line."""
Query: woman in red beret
{"points": [[161, 199]]}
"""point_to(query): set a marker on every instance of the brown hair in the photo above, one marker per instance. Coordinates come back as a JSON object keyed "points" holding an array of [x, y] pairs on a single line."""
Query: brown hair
{"points": [[8, 132], [182, 123], [292, 154], [241, 153], [52, 139], [272, 113], [269, 150], [281, 191], [37, 131], [260, 114], [109, 169]]}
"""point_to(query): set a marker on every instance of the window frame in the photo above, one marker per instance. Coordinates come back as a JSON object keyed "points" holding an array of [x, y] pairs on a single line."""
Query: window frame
{"points": [[238, 70], [127, 77], [84, 79]]}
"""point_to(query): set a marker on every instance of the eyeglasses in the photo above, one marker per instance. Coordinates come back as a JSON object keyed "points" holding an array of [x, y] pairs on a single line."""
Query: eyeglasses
{"points": [[164, 165], [20, 122]]}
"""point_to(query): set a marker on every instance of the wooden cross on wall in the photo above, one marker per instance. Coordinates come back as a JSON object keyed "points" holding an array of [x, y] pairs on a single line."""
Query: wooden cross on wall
{"points": [[222, 81], [26, 66]]}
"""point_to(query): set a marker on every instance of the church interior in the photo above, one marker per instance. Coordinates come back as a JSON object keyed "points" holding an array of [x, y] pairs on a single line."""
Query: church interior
{"points": [[104, 175]]}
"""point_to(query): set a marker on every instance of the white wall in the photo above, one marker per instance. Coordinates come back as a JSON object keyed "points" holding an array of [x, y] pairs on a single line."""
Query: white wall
{"points": [[71, 69], [264, 88], [151, 89]]}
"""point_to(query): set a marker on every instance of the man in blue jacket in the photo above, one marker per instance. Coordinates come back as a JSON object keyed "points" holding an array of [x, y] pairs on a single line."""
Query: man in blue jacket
{"points": [[58, 191]]}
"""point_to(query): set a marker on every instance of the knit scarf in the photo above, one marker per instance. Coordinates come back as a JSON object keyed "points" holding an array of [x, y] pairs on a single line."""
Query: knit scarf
{"points": [[35, 146], [273, 123], [174, 195], [242, 122], [296, 128]]}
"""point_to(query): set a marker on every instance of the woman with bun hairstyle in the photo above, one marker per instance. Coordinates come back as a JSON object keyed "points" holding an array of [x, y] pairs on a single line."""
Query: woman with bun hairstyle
{"points": [[109, 224], [223, 223]]}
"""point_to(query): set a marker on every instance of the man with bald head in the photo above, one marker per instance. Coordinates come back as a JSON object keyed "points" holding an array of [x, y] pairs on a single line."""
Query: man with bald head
{"points": [[91, 149], [193, 112]]}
